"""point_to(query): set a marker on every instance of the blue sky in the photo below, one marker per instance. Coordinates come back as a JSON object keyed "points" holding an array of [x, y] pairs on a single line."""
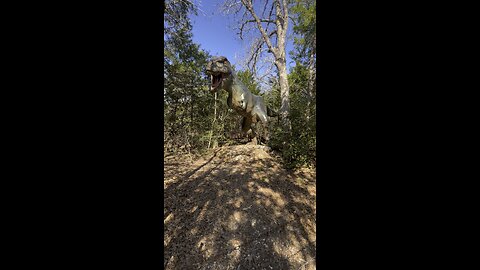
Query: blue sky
{"points": [[215, 34]]}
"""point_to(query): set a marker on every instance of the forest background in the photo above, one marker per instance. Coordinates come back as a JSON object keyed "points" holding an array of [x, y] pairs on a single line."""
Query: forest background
{"points": [[195, 120]]}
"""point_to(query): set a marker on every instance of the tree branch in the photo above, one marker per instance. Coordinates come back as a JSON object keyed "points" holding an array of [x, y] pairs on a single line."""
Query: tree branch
{"points": [[269, 66], [248, 5], [285, 14], [270, 15], [226, 8], [254, 55], [250, 21], [294, 22], [274, 32], [279, 14], [265, 8]]}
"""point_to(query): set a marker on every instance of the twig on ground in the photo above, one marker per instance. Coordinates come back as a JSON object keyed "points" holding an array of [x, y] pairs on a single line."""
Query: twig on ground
{"points": [[303, 265], [246, 208]]}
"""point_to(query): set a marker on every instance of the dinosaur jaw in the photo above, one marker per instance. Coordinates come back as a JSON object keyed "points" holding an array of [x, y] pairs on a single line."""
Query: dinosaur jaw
{"points": [[216, 81]]}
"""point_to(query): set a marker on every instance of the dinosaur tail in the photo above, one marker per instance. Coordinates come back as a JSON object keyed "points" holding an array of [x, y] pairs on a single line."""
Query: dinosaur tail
{"points": [[271, 112]]}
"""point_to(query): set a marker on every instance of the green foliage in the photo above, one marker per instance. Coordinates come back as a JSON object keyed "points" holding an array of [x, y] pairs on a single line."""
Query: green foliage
{"points": [[304, 12], [193, 119], [298, 78], [298, 147], [186, 114], [247, 78]]}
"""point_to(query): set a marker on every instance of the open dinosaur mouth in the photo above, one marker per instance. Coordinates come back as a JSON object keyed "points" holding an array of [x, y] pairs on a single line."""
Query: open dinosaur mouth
{"points": [[216, 80]]}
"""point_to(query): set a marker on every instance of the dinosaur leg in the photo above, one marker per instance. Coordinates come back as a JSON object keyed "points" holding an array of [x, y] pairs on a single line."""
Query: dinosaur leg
{"points": [[255, 130], [250, 134], [247, 129], [266, 133], [265, 130], [246, 123], [261, 116], [255, 137]]}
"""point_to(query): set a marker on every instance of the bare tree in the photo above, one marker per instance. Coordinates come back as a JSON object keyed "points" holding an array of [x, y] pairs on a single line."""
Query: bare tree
{"points": [[272, 24]]}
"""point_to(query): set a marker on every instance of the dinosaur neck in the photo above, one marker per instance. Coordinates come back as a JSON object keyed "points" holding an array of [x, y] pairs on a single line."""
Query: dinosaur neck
{"points": [[228, 83]]}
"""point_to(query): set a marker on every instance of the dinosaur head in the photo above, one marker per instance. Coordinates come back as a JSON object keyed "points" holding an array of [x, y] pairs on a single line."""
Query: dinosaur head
{"points": [[219, 70]]}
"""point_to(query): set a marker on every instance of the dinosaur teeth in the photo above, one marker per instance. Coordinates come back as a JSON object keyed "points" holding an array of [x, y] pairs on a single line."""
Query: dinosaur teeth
{"points": [[216, 80]]}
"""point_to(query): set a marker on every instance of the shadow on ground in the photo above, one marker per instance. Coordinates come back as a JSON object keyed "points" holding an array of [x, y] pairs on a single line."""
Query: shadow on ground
{"points": [[238, 209]]}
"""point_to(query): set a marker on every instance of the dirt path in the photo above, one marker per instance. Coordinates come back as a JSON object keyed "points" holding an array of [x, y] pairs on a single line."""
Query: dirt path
{"points": [[236, 208]]}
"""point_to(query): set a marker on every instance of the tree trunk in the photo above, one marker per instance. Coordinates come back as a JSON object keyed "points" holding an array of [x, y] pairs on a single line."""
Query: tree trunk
{"points": [[284, 93], [281, 22], [311, 82]]}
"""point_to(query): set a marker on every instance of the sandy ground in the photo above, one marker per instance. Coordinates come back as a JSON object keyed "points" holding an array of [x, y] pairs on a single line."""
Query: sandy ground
{"points": [[237, 208]]}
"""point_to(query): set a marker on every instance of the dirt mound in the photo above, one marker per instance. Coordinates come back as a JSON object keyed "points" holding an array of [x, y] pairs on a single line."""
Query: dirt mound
{"points": [[237, 208]]}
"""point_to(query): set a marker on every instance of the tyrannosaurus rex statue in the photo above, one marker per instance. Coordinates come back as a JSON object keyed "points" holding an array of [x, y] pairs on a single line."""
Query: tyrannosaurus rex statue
{"points": [[240, 99]]}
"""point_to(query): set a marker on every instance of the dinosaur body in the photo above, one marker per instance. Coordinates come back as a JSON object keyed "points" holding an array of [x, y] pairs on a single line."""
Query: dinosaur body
{"points": [[240, 99]]}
